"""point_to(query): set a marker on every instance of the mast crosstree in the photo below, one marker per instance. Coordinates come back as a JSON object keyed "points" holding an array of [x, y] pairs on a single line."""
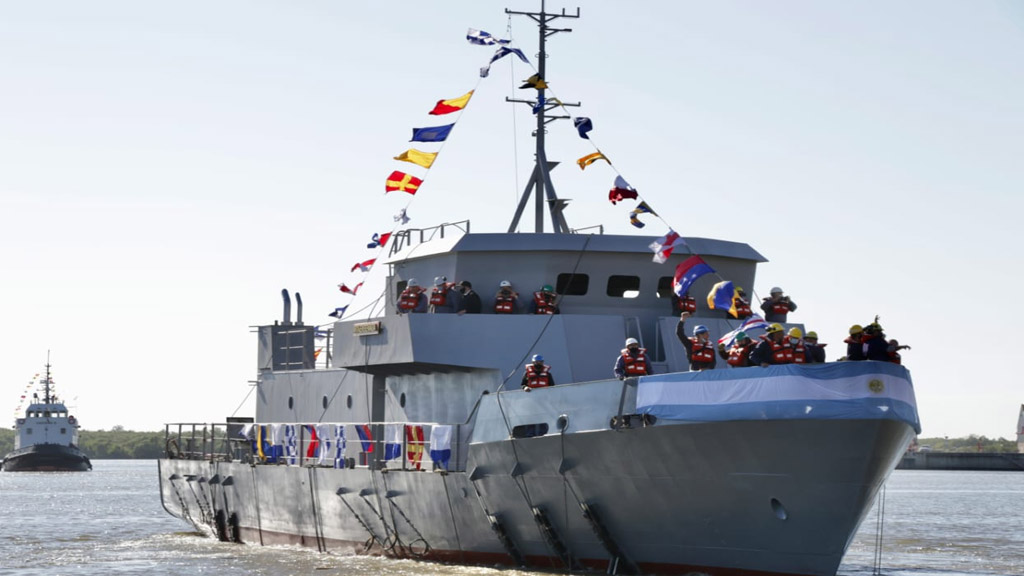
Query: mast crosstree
{"points": [[540, 185]]}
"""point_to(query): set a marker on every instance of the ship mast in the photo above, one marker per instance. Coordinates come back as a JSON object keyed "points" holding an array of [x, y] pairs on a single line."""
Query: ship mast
{"points": [[540, 181], [46, 381]]}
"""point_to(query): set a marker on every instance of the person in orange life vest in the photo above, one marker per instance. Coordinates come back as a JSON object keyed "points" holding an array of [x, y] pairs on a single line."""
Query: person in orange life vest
{"points": [[506, 301], [684, 304], [772, 349], [815, 351], [544, 301], [894, 351], [444, 298], [537, 375], [777, 306], [742, 305], [738, 356], [632, 361], [413, 299], [699, 350], [855, 344], [795, 340]]}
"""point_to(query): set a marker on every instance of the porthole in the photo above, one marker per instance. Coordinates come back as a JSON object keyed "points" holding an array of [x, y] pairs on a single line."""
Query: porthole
{"points": [[348, 402], [401, 400], [562, 422], [530, 430], [325, 402], [291, 403], [779, 509]]}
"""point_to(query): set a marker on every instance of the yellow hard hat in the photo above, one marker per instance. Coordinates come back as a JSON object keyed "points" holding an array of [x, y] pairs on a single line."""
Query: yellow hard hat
{"points": [[812, 334], [855, 329], [774, 328], [796, 332]]}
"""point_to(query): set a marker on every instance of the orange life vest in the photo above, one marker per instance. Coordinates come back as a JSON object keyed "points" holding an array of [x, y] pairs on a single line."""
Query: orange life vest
{"points": [[409, 299], [543, 306], [634, 366], [742, 308], [439, 295], [780, 308], [895, 357], [504, 304], [687, 304], [739, 356], [799, 351], [703, 352], [782, 353], [538, 379]]}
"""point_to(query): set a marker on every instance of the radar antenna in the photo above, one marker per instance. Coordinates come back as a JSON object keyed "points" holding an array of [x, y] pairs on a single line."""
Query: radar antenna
{"points": [[540, 181]]}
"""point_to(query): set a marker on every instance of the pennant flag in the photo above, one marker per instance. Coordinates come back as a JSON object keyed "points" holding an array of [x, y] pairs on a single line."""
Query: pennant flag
{"points": [[347, 290], [590, 159], [481, 38], [451, 105], [583, 125], [320, 334], [402, 182], [339, 446], [414, 445], [316, 353], [290, 445], [392, 441], [431, 133], [425, 159], [755, 322], [402, 217], [365, 437], [534, 81], [722, 296], [323, 432], [687, 272], [501, 53], [441, 444], [621, 190], [314, 441], [641, 208], [364, 265], [260, 440], [539, 105], [338, 312], [663, 246], [379, 240]]}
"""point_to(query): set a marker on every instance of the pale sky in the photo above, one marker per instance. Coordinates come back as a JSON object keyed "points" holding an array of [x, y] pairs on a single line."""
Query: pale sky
{"points": [[165, 169]]}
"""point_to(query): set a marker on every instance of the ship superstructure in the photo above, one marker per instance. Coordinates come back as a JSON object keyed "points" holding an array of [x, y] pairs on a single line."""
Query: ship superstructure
{"points": [[415, 440]]}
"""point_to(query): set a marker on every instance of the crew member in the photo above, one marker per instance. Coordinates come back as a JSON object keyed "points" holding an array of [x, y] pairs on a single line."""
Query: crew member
{"points": [[444, 298], [742, 305], [470, 301], [413, 299], [738, 355], [855, 343], [894, 351], [537, 375], [815, 351], [772, 349], [506, 300], [876, 346], [632, 361], [544, 301], [684, 304], [795, 340], [699, 350], [777, 306]]}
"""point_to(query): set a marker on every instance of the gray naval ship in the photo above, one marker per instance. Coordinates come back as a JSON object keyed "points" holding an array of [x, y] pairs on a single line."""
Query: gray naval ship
{"points": [[721, 472]]}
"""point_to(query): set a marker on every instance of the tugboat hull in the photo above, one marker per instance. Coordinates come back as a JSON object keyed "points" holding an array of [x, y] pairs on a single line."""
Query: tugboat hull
{"points": [[47, 458]]}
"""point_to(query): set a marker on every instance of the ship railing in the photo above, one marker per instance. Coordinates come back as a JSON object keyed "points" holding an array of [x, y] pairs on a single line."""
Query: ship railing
{"points": [[364, 445], [411, 236]]}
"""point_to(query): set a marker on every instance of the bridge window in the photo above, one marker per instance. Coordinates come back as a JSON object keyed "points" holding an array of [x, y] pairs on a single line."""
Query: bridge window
{"points": [[624, 286], [572, 284], [665, 287], [63, 430]]}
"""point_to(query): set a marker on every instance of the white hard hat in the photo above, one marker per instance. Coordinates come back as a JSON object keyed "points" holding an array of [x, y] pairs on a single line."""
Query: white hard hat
{"points": [[632, 341], [505, 284], [776, 290], [412, 282], [439, 280]]}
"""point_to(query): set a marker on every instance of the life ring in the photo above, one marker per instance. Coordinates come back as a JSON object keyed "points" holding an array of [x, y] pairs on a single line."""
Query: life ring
{"points": [[72, 420]]}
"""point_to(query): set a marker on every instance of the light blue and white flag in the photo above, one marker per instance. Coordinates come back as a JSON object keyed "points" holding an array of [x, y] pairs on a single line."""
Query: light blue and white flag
{"points": [[392, 441], [441, 444], [339, 445], [291, 451], [482, 38], [501, 53]]}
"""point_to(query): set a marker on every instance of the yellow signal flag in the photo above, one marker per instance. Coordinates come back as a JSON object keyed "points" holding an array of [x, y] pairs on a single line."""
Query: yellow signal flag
{"points": [[590, 159], [425, 159]]}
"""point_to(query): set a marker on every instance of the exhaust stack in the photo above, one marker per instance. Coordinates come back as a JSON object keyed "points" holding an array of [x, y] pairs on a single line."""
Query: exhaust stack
{"points": [[287, 307], [298, 309]]}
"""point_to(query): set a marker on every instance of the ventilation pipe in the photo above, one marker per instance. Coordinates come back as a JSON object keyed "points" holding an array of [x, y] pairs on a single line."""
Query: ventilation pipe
{"points": [[298, 309], [287, 307]]}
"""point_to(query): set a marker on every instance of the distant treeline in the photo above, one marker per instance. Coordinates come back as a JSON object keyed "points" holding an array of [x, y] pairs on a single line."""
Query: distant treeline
{"points": [[116, 444], [971, 443]]}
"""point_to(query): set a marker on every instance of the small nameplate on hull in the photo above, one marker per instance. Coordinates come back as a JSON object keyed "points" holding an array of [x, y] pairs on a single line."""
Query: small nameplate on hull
{"points": [[366, 328]]}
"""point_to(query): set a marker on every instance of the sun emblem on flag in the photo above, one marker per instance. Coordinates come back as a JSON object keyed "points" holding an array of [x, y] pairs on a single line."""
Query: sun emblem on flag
{"points": [[876, 386]]}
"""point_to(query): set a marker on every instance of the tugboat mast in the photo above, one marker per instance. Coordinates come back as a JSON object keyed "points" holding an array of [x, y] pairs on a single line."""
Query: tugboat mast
{"points": [[540, 181], [46, 382]]}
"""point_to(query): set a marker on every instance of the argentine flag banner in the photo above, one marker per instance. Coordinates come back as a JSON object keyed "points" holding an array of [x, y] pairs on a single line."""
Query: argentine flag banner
{"points": [[833, 391]]}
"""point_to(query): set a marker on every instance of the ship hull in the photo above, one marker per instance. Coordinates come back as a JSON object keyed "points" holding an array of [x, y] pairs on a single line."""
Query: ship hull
{"points": [[719, 498], [46, 458]]}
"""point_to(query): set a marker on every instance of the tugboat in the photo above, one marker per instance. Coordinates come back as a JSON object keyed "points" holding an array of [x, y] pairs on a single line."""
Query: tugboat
{"points": [[412, 437], [47, 437]]}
